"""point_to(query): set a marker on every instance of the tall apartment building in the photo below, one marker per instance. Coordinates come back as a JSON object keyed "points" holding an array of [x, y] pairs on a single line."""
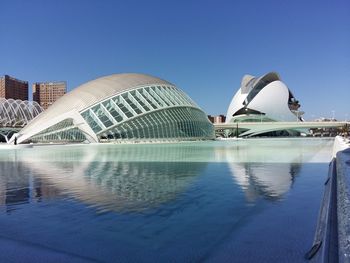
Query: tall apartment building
{"points": [[217, 119], [46, 93], [11, 88]]}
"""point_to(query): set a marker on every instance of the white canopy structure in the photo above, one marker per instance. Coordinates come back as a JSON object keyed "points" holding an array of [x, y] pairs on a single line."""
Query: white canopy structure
{"points": [[15, 114]]}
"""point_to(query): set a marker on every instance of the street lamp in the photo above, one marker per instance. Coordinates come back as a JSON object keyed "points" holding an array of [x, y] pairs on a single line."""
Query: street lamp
{"points": [[333, 112]]}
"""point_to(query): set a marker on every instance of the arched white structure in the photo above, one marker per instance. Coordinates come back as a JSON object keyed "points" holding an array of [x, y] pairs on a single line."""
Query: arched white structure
{"points": [[263, 99], [120, 107], [17, 113]]}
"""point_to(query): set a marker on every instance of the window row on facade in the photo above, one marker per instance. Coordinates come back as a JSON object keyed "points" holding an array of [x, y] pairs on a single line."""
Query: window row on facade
{"points": [[64, 131], [130, 104], [172, 123]]}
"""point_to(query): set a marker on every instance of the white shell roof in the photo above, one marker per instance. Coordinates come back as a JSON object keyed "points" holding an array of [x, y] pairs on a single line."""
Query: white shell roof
{"points": [[94, 91], [101, 88], [246, 87]]}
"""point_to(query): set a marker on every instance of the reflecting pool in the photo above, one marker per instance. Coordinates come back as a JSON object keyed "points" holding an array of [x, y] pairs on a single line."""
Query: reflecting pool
{"points": [[253, 200]]}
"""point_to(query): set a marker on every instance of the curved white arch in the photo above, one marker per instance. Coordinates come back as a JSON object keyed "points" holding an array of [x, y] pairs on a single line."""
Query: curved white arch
{"points": [[17, 113]]}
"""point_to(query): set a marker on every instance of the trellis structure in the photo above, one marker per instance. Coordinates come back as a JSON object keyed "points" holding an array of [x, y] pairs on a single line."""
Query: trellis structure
{"points": [[15, 114]]}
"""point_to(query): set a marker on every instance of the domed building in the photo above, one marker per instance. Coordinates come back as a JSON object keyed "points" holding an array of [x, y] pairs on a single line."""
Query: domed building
{"points": [[120, 107], [265, 98]]}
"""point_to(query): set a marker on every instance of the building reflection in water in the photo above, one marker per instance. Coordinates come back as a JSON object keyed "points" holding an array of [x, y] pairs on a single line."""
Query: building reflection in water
{"points": [[269, 168], [135, 177], [120, 178], [19, 186], [271, 181]]}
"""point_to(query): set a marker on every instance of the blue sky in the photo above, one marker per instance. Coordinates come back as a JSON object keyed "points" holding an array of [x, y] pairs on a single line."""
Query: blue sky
{"points": [[204, 47]]}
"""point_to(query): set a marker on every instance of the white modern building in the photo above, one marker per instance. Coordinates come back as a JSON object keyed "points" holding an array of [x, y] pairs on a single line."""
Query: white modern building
{"points": [[265, 98], [120, 107]]}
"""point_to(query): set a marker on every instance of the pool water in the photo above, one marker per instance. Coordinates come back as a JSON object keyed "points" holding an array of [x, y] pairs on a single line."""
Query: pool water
{"points": [[253, 200]]}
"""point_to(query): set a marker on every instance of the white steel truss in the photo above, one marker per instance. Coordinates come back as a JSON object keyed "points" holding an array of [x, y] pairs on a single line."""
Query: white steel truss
{"points": [[17, 113]]}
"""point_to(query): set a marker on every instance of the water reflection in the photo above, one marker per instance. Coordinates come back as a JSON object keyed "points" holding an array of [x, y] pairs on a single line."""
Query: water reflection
{"points": [[271, 181], [19, 186], [268, 168], [110, 178], [178, 202], [138, 177]]}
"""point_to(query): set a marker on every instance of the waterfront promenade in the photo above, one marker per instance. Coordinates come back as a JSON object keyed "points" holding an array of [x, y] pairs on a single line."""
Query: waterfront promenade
{"points": [[254, 128], [331, 242]]}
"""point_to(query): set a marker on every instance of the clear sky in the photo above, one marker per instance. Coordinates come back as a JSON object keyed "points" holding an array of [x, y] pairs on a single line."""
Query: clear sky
{"points": [[204, 47]]}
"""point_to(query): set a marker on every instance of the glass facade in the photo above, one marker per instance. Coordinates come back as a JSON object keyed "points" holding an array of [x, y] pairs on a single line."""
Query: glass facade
{"points": [[144, 113], [64, 131], [151, 112], [182, 123]]}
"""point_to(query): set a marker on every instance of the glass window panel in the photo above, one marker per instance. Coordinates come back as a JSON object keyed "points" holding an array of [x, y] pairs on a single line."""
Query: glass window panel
{"points": [[112, 111], [171, 95], [125, 110], [92, 123], [184, 100], [150, 98], [143, 104], [133, 106], [156, 97], [142, 100], [135, 101], [158, 94], [100, 113], [105, 120]]}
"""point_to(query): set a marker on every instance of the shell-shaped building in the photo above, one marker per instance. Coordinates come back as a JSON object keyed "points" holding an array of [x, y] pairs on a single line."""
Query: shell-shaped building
{"points": [[265, 98], [120, 107]]}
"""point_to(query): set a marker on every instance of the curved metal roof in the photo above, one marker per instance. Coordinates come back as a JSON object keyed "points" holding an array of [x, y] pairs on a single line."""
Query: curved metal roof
{"points": [[96, 90]]}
